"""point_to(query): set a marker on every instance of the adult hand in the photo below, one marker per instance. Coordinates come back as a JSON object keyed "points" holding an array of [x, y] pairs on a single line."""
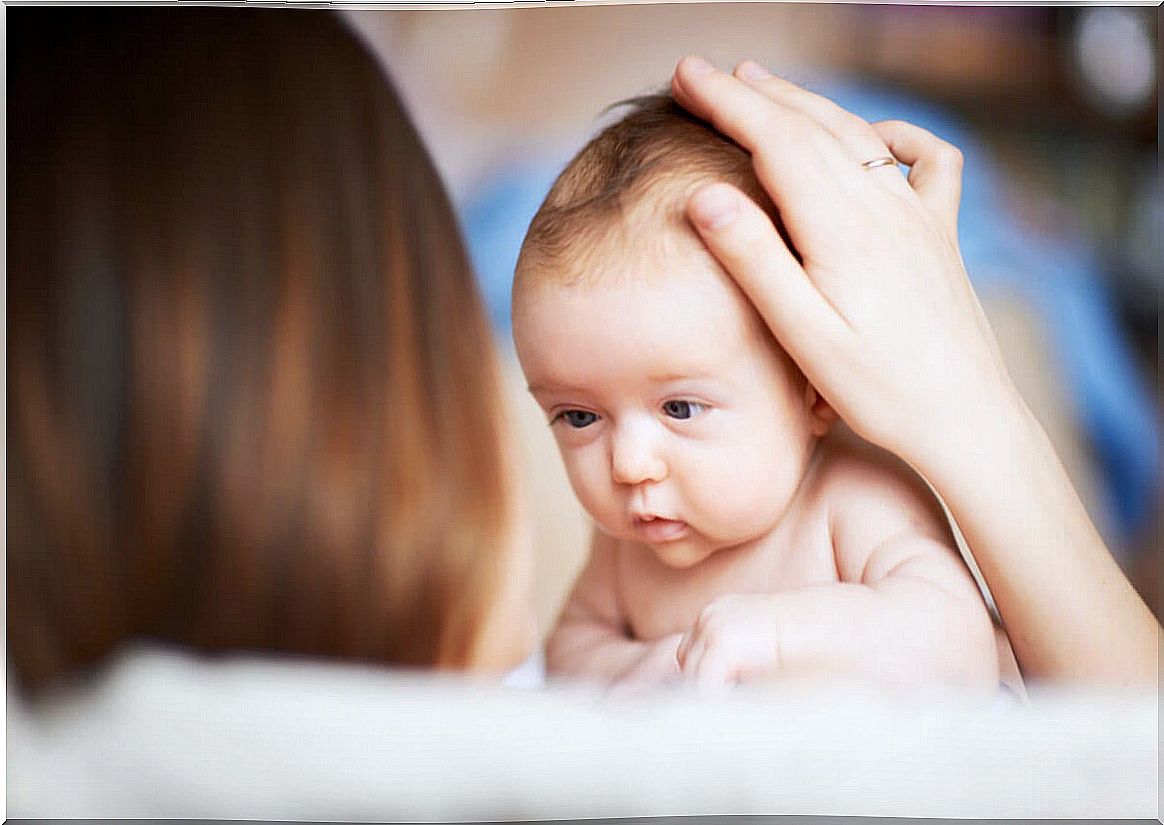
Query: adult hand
{"points": [[878, 312]]}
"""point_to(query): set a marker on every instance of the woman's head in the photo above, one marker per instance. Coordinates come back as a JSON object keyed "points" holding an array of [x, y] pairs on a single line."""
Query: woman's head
{"points": [[252, 393]]}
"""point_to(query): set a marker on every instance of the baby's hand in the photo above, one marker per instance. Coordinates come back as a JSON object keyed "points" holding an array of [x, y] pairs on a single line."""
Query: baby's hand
{"points": [[734, 638], [657, 666]]}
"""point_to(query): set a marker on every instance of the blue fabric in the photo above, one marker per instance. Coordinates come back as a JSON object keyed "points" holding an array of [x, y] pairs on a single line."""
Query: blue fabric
{"points": [[1060, 277], [495, 219]]}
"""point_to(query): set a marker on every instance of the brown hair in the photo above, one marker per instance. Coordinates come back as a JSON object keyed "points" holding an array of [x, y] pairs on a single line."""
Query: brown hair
{"points": [[648, 158], [253, 401]]}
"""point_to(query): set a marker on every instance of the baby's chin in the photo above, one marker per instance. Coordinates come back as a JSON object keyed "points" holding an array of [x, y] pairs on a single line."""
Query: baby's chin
{"points": [[679, 553], [682, 553]]}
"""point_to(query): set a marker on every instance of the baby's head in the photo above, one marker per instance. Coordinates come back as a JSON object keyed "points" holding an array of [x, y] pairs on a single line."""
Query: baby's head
{"points": [[682, 423]]}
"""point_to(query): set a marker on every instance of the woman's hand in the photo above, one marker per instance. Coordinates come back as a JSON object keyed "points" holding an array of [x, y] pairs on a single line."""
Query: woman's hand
{"points": [[878, 312]]}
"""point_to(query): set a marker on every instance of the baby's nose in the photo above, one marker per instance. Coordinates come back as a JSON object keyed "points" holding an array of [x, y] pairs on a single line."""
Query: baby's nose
{"points": [[635, 457]]}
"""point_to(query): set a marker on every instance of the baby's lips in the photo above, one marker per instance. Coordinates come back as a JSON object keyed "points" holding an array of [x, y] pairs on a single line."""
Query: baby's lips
{"points": [[658, 529], [638, 516]]}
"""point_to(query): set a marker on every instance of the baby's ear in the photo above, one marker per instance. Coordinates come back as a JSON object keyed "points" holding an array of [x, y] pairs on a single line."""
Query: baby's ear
{"points": [[821, 415]]}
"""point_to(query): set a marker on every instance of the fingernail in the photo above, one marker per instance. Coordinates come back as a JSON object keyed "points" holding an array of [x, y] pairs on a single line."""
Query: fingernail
{"points": [[714, 207], [697, 65], [754, 71]]}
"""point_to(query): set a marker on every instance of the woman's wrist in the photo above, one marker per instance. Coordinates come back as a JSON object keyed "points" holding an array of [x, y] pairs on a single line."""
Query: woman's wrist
{"points": [[976, 436], [1038, 549]]}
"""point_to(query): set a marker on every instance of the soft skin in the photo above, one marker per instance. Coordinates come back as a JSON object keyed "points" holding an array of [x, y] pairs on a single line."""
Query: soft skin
{"points": [[878, 311], [734, 542], [664, 392]]}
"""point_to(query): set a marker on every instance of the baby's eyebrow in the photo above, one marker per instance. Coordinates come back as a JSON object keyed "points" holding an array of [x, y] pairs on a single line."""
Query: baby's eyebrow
{"points": [[550, 386], [672, 377], [669, 377]]}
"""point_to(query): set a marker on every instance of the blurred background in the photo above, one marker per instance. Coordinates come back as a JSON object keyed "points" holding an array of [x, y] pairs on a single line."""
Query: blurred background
{"points": [[1055, 109], [1057, 113]]}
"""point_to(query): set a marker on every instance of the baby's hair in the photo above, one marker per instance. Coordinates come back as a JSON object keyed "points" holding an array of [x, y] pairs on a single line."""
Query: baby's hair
{"points": [[648, 159]]}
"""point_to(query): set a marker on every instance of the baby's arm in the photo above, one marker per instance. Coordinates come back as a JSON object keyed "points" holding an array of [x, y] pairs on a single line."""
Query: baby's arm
{"points": [[590, 641], [906, 609]]}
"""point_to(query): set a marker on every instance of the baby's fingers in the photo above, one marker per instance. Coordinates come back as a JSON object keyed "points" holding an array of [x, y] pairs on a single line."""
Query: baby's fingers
{"points": [[711, 673], [935, 167], [741, 236], [706, 667], [681, 652]]}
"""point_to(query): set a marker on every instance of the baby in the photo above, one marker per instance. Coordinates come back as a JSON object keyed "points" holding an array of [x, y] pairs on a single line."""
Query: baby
{"points": [[738, 536]]}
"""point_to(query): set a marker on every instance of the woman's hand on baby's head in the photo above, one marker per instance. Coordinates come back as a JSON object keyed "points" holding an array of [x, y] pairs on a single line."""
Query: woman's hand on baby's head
{"points": [[877, 311], [735, 639]]}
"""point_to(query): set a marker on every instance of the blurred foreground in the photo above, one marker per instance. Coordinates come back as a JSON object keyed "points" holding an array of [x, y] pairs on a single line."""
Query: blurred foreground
{"points": [[170, 736]]}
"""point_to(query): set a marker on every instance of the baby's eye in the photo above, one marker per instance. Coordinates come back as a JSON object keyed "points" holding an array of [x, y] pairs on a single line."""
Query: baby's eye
{"points": [[682, 409], [578, 419]]}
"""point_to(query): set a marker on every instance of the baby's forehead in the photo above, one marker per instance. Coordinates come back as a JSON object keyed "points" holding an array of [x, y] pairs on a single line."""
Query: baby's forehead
{"points": [[644, 242], [662, 270], [647, 238]]}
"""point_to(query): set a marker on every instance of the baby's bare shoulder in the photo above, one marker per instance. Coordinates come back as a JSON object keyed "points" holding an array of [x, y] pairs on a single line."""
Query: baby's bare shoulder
{"points": [[852, 473], [872, 496]]}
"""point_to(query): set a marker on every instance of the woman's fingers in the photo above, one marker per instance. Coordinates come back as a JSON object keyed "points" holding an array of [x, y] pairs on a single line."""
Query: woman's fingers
{"points": [[797, 171], [742, 238], [876, 289], [935, 166], [860, 140]]}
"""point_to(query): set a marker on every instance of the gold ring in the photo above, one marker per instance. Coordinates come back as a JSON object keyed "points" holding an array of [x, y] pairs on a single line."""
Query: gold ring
{"points": [[887, 160]]}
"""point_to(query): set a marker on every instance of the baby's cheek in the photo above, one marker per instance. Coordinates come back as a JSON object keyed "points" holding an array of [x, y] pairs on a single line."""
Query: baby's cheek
{"points": [[590, 483], [748, 492]]}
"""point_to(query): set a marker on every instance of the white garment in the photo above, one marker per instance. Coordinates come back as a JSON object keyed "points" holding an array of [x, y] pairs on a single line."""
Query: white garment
{"points": [[170, 735], [529, 674]]}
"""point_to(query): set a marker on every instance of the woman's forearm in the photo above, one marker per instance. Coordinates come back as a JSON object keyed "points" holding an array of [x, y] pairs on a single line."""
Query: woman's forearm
{"points": [[1058, 589]]}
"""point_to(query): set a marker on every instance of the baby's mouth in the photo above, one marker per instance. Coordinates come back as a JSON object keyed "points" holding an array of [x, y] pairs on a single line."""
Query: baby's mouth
{"points": [[656, 530]]}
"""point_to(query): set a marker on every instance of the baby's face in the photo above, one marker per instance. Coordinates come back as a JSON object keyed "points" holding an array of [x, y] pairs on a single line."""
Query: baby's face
{"points": [[681, 424]]}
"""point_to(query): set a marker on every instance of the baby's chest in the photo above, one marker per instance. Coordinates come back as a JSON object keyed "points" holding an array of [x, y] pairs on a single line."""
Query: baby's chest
{"points": [[658, 601]]}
